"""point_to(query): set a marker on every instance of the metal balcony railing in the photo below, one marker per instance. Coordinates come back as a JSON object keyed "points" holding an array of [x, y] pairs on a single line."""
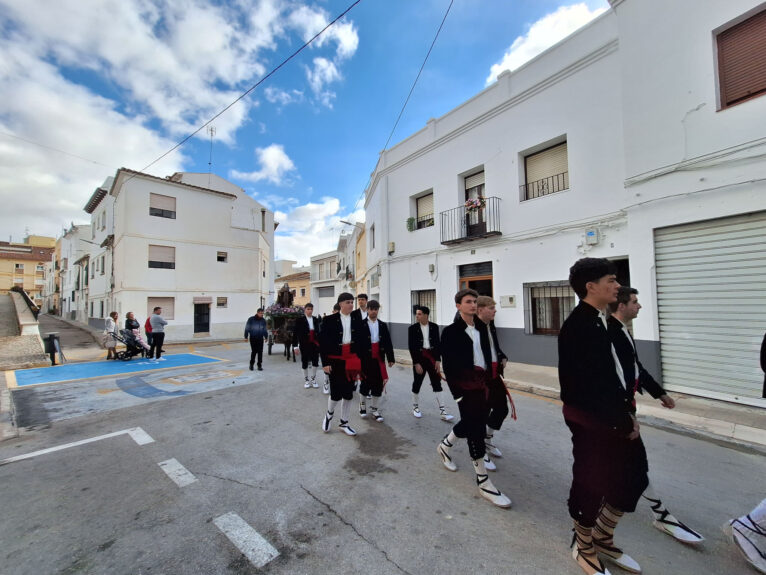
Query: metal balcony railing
{"points": [[549, 185], [462, 224]]}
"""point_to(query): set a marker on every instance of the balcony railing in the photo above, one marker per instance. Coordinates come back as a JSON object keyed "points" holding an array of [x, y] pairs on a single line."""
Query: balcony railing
{"points": [[461, 224], [545, 186]]}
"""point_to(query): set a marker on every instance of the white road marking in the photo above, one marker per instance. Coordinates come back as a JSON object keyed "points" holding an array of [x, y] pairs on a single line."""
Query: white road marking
{"points": [[177, 472], [138, 435], [246, 539]]}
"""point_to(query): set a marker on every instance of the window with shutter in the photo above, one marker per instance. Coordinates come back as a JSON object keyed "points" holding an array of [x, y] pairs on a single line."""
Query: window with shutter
{"points": [[424, 206], [546, 172], [547, 305], [162, 206], [742, 60], [167, 304], [163, 257]]}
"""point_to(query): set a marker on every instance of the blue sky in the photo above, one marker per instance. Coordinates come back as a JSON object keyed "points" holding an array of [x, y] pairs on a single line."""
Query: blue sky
{"points": [[87, 87]]}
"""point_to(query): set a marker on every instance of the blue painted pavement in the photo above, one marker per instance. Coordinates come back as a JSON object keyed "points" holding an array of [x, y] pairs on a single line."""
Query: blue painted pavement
{"points": [[111, 368], [137, 387]]}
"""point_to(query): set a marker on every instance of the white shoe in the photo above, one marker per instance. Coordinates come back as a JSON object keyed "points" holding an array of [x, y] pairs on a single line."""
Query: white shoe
{"points": [[750, 539], [326, 422], [378, 417], [489, 464], [444, 415], [160, 359], [616, 556], [596, 568], [346, 428], [678, 530], [362, 409], [326, 388], [490, 447], [491, 493], [443, 450], [306, 383], [314, 382], [416, 412]]}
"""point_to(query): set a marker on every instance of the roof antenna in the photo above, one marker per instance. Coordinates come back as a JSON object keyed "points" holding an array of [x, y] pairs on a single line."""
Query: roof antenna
{"points": [[211, 133]]}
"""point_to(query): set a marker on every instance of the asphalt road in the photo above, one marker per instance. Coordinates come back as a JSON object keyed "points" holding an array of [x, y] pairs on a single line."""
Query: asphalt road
{"points": [[379, 503]]}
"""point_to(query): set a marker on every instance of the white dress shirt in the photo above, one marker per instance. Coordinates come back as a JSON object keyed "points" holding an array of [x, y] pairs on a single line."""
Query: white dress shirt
{"points": [[478, 356], [425, 330], [374, 330], [345, 321]]}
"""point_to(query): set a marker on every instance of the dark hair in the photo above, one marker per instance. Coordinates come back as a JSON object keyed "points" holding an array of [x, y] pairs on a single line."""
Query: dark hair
{"points": [[158, 307], [364, 295], [464, 292], [336, 307], [589, 270], [259, 309], [373, 304], [623, 297], [423, 309], [311, 305], [345, 296]]}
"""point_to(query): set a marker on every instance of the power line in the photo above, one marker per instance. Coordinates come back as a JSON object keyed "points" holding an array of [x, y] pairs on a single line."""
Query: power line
{"points": [[53, 149], [254, 86], [412, 89]]}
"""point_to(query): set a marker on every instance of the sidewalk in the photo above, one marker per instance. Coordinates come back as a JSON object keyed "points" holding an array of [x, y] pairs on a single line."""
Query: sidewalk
{"points": [[711, 418]]}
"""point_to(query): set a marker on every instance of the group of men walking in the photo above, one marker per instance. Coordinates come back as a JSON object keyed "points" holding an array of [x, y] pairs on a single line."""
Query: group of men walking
{"points": [[599, 374]]}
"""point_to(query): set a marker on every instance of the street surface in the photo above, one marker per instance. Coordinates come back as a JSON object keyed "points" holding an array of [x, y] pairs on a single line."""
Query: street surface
{"points": [[215, 454]]}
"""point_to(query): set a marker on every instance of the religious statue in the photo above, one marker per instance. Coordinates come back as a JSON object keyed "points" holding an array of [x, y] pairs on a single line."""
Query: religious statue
{"points": [[285, 296]]}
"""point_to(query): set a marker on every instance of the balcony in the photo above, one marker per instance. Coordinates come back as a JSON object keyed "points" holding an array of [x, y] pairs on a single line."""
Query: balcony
{"points": [[463, 224], [549, 185]]}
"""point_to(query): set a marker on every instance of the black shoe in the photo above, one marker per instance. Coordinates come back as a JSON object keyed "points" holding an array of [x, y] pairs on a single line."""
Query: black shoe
{"points": [[260, 368], [251, 367]]}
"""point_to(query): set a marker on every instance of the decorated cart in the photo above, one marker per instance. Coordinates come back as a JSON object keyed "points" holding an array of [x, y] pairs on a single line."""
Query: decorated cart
{"points": [[280, 321]]}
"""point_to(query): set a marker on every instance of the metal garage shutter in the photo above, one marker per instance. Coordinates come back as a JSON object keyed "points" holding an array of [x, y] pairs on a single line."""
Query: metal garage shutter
{"points": [[711, 297]]}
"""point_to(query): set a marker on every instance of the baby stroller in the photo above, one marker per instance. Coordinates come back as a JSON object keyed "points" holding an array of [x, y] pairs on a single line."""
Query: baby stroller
{"points": [[133, 345]]}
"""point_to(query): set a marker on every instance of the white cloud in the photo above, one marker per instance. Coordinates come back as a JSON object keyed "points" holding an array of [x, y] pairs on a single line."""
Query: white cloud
{"points": [[283, 97], [311, 229], [544, 33], [121, 81], [324, 72], [275, 165]]}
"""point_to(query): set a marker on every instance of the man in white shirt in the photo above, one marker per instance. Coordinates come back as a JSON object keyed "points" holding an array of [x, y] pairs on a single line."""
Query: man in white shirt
{"points": [[306, 339], [624, 311], [467, 356], [375, 373], [424, 344], [343, 344]]}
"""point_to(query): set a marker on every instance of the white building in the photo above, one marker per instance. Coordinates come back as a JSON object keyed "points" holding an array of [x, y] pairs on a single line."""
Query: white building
{"points": [[327, 277], [194, 244], [73, 273], [627, 140], [98, 265]]}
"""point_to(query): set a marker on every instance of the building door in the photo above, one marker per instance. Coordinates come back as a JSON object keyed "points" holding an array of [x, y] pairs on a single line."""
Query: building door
{"points": [[711, 304], [478, 277], [201, 317]]}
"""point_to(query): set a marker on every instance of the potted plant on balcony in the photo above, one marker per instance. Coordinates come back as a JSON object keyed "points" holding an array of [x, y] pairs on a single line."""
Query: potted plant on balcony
{"points": [[475, 204], [411, 224]]}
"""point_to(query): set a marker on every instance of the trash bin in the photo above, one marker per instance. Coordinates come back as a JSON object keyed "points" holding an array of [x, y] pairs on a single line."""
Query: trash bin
{"points": [[52, 345]]}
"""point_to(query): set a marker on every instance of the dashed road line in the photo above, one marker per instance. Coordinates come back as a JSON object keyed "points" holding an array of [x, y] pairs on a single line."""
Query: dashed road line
{"points": [[258, 551], [138, 435], [177, 472]]}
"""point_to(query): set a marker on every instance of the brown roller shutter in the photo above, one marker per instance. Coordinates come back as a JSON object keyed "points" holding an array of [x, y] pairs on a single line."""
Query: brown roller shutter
{"points": [[742, 60]]}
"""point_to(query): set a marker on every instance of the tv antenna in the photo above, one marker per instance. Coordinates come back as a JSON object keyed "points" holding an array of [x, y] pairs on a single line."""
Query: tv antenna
{"points": [[211, 133]]}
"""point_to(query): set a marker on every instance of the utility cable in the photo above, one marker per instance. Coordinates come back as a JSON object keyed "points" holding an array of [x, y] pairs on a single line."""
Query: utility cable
{"points": [[254, 86], [53, 149]]}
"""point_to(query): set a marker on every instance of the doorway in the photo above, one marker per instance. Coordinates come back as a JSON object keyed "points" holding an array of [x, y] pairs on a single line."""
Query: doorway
{"points": [[201, 317]]}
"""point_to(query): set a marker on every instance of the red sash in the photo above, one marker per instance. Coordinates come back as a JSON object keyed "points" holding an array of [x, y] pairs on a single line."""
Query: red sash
{"points": [[428, 356], [352, 361], [494, 369], [635, 389], [381, 360], [313, 338]]}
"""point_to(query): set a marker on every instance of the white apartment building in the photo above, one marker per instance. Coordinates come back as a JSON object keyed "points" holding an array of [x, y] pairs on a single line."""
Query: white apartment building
{"points": [[194, 244], [327, 279], [627, 140], [73, 272], [98, 262]]}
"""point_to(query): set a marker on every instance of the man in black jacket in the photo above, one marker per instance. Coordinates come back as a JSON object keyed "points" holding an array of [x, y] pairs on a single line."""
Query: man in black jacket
{"points": [[624, 310], [425, 350], [361, 311], [306, 339], [257, 332], [374, 368], [610, 470], [497, 402], [343, 343], [467, 356]]}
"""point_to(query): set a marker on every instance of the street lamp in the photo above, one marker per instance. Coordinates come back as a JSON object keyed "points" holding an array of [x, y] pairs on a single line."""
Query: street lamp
{"points": [[352, 224]]}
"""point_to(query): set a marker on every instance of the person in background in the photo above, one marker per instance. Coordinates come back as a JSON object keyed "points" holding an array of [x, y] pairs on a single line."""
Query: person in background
{"points": [[424, 345], [131, 322], [158, 324], [110, 330], [306, 339], [148, 330], [376, 375], [256, 331]]}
